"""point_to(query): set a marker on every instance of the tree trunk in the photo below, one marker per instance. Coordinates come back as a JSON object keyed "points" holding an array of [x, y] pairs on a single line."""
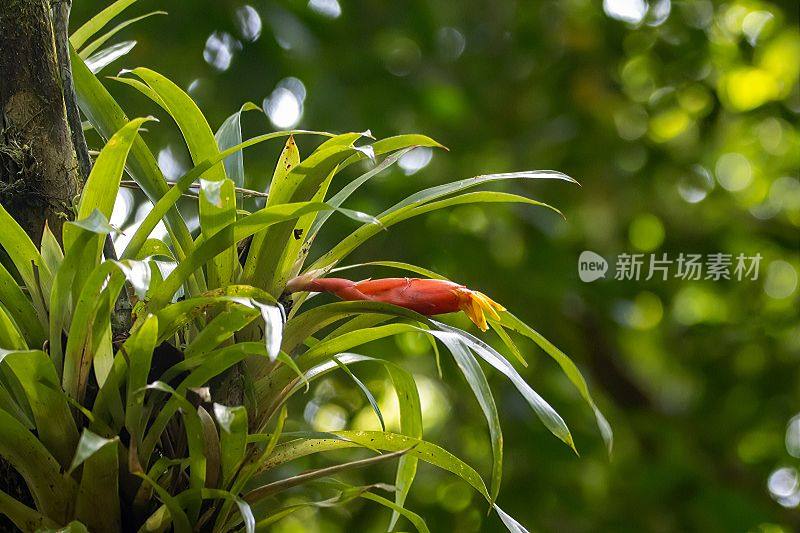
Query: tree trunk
{"points": [[39, 170]]}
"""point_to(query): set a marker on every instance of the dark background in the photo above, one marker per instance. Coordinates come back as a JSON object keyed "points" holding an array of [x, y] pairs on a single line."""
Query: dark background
{"points": [[679, 120]]}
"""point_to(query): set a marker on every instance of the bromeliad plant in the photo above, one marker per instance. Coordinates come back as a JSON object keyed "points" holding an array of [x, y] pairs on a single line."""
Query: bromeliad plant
{"points": [[178, 422]]}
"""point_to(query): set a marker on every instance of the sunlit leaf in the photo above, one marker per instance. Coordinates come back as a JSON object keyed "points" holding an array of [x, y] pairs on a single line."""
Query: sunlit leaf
{"points": [[96, 23], [101, 59]]}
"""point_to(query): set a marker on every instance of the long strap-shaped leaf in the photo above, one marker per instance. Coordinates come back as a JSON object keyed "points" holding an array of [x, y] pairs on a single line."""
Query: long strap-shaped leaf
{"points": [[22, 516], [167, 202], [21, 308], [509, 321], [222, 240], [428, 452], [100, 41], [26, 258], [401, 144], [301, 184], [215, 213], [96, 23], [269, 489], [54, 422], [99, 488], [476, 379], [102, 284], [410, 414], [415, 205], [107, 117], [138, 350], [176, 315], [308, 323], [569, 368], [424, 450], [549, 417], [221, 361], [194, 438], [52, 491]]}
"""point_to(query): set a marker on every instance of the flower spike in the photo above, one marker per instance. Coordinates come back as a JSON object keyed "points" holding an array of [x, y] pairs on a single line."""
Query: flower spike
{"points": [[425, 296]]}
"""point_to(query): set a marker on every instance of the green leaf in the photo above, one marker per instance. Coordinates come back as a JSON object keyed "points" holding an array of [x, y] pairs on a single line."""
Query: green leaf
{"points": [[202, 145], [154, 249], [324, 351], [96, 23], [232, 423], [99, 482], [230, 134], [410, 413], [306, 324], [51, 255], [508, 341], [234, 318], [100, 190], [219, 242], [339, 198], [22, 516], [365, 390], [167, 203], [63, 286], [211, 448], [423, 202], [10, 335], [89, 444], [393, 264], [421, 449], [194, 437], [480, 388], [101, 59], [270, 489], [180, 521], [52, 492], [549, 417], [100, 41], [392, 144], [95, 222], [107, 117], [89, 320], [212, 365], [19, 307], [250, 468], [440, 191], [138, 349], [99, 488], [26, 259], [54, 423], [176, 315], [569, 368], [13, 399], [302, 183]]}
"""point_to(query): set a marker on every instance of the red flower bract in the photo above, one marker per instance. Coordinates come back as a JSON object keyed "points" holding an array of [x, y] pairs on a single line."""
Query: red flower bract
{"points": [[425, 296]]}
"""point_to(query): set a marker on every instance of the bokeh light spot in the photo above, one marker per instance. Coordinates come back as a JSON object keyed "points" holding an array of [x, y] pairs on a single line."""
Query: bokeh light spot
{"points": [[249, 22], [781, 280], [326, 8], [632, 11], [734, 171], [220, 49], [646, 232]]}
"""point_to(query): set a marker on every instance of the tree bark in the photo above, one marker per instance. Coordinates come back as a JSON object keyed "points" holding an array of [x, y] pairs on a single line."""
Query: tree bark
{"points": [[39, 170]]}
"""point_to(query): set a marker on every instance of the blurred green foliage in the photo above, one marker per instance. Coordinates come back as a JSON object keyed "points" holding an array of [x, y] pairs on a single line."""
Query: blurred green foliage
{"points": [[680, 121]]}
